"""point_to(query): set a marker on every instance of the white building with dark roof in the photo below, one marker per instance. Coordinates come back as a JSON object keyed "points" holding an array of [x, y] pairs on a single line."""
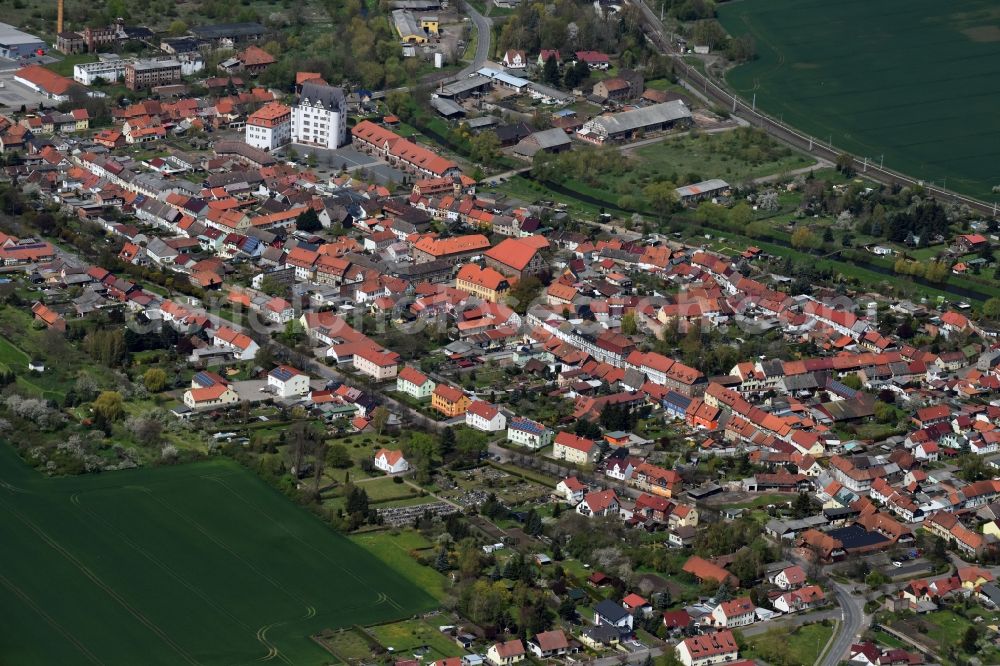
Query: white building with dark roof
{"points": [[319, 117]]}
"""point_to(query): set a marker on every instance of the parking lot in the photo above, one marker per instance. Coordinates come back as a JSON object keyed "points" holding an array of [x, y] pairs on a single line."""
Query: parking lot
{"points": [[331, 162], [13, 94]]}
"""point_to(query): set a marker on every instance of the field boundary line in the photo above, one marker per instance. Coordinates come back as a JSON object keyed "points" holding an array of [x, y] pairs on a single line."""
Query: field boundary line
{"points": [[51, 621], [94, 578], [75, 499]]}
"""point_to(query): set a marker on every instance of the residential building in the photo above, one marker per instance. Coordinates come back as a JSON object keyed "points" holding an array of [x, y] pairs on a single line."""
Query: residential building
{"points": [[242, 346], [210, 397], [738, 612], [319, 117], [575, 449], [549, 644], [504, 654], [599, 503], [449, 400], [414, 383], [486, 283], [707, 649], [571, 489], [269, 127], [609, 613], [484, 416], [287, 382], [391, 461], [529, 434], [378, 364]]}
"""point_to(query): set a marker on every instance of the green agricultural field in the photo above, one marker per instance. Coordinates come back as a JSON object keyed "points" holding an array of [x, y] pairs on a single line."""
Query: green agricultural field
{"points": [[915, 81], [193, 564]]}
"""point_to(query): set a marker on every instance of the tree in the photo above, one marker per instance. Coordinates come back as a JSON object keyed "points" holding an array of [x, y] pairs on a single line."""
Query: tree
{"points": [[484, 147], [380, 416], [308, 221], [447, 441], [109, 406], [550, 71], [337, 456], [710, 33], [522, 294], [802, 506], [441, 562], [629, 325], [804, 239], [741, 214], [357, 500], [969, 640], [533, 523], [662, 196], [845, 164], [884, 412], [567, 608], [177, 28], [154, 379], [991, 308]]}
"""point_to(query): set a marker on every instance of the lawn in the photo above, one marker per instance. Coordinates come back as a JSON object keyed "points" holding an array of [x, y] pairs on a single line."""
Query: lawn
{"points": [[195, 564], [711, 156], [914, 85], [408, 635], [397, 550], [385, 489], [65, 66], [803, 645]]}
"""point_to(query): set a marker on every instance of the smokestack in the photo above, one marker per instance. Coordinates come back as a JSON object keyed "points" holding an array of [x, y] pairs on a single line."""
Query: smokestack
{"points": [[59, 18]]}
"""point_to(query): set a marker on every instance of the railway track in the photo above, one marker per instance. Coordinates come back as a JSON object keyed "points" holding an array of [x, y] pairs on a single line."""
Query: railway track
{"points": [[653, 29]]}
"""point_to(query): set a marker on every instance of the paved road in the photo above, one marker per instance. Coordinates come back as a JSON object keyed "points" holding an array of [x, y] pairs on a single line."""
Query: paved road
{"points": [[790, 621], [854, 623], [484, 30], [654, 31]]}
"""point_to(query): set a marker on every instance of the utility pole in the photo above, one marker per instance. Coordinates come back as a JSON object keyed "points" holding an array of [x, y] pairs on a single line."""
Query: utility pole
{"points": [[880, 157], [810, 144], [734, 103], [865, 167], [754, 103]]}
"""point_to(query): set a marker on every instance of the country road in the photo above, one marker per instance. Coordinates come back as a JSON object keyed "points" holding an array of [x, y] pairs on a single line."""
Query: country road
{"points": [[653, 28], [854, 623], [484, 30]]}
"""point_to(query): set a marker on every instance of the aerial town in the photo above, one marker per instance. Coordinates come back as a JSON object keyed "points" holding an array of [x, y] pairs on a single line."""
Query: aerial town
{"points": [[428, 333]]}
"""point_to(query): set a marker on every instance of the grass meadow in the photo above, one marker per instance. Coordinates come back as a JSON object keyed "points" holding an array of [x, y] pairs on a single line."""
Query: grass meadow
{"points": [[914, 81], [192, 564]]}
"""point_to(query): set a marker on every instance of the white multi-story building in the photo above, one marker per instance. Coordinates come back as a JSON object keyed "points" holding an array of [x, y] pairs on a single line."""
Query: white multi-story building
{"points": [[529, 434], [484, 416], [707, 649], [287, 382], [269, 127], [108, 71], [319, 118]]}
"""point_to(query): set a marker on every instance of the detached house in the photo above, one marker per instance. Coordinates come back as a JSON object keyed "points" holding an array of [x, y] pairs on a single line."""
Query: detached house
{"points": [[391, 461], [287, 382], [484, 416], [503, 654], [529, 434], [514, 59], [571, 489], [574, 449], [449, 400], [242, 346], [600, 503], [210, 397], [414, 383], [549, 644], [801, 599], [609, 613], [734, 613]]}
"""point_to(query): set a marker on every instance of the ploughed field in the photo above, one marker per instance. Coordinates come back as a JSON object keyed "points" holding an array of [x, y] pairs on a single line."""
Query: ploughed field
{"points": [[193, 564], [915, 81]]}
